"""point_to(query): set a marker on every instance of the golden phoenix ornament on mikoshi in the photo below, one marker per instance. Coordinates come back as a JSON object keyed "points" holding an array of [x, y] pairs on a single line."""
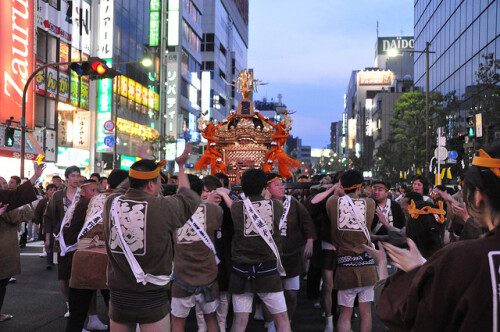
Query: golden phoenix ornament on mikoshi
{"points": [[246, 139]]}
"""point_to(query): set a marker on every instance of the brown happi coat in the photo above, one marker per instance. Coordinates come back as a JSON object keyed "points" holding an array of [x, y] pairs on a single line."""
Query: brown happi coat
{"points": [[348, 238], [194, 262], [453, 291], [299, 228], [248, 247], [148, 232]]}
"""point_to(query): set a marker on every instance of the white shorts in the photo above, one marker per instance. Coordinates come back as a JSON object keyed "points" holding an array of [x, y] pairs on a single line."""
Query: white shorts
{"points": [[275, 302], [346, 297], [181, 306], [291, 283]]}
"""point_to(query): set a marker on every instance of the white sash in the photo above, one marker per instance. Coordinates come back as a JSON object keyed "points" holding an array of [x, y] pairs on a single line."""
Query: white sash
{"points": [[286, 208], [357, 216], [264, 232], [66, 220], [387, 213], [204, 237], [96, 204], [90, 223], [138, 272]]}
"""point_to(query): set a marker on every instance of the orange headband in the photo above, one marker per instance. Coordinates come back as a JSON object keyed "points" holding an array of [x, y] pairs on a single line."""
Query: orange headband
{"points": [[356, 186], [275, 179], [147, 175], [414, 212], [484, 160]]}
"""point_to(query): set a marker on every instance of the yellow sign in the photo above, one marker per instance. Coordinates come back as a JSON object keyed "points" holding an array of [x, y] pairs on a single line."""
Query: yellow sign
{"points": [[131, 89], [138, 93], [136, 129], [145, 96]]}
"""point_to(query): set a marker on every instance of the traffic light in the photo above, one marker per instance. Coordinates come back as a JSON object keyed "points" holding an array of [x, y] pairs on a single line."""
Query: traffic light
{"points": [[471, 126], [94, 68], [9, 136]]}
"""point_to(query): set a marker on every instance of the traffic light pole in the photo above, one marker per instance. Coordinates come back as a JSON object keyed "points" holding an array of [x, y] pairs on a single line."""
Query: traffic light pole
{"points": [[23, 115]]}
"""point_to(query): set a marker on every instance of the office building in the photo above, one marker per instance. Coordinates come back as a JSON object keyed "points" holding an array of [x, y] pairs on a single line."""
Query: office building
{"points": [[130, 101], [224, 54]]}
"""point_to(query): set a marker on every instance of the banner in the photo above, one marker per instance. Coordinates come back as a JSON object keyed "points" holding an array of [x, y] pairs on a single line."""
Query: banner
{"points": [[16, 58]]}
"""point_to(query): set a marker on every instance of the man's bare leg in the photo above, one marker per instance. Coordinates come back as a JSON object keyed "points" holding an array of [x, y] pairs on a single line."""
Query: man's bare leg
{"points": [[326, 298], [161, 325], [365, 311], [212, 323], [282, 322], [344, 322], [178, 324], [240, 321], [120, 327]]}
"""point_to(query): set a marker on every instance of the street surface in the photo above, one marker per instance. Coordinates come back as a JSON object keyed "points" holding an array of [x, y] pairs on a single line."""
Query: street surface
{"points": [[37, 304]]}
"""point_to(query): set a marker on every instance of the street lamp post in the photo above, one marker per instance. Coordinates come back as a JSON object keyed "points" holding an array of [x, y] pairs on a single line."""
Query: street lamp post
{"points": [[23, 115]]}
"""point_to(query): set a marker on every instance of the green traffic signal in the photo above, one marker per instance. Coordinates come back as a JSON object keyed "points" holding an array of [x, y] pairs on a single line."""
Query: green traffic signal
{"points": [[471, 132], [9, 136]]}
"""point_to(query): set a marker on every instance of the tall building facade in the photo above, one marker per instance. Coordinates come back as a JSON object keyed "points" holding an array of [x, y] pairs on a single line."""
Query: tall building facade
{"points": [[206, 46], [224, 54], [130, 101], [336, 137], [459, 32]]}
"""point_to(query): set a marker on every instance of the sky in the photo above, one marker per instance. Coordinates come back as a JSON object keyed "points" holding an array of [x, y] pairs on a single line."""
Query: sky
{"points": [[306, 50]]}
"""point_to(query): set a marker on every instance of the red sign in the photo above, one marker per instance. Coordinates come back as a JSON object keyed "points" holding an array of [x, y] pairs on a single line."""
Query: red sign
{"points": [[16, 58]]}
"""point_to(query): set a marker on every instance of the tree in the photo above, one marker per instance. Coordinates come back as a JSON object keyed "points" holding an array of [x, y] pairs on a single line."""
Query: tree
{"points": [[408, 126]]}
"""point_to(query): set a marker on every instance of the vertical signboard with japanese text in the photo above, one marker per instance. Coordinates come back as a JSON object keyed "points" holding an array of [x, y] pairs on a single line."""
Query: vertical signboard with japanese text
{"points": [[154, 22], [105, 40], [105, 86], [172, 94], [16, 58], [104, 99]]}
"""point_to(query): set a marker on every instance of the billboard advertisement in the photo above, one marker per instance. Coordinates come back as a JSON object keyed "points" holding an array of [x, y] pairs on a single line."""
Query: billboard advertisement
{"points": [[398, 43], [17, 58]]}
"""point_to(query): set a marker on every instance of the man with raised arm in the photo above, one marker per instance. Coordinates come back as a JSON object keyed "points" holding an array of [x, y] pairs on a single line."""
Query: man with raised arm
{"points": [[139, 227]]}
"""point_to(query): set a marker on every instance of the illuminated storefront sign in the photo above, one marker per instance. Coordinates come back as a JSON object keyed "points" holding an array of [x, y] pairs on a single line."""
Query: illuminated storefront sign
{"points": [[375, 77], [54, 21], [16, 58], [81, 25], [398, 43], [136, 92], [70, 156], [351, 133], [47, 83], [136, 129], [173, 23], [104, 98], [105, 40], [127, 161], [154, 22]]}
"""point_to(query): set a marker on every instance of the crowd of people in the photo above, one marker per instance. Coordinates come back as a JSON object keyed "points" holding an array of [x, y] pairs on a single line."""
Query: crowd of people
{"points": [[422, 257]]}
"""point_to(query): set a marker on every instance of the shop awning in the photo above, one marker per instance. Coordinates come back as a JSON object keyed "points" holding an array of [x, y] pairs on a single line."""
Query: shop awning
{"points": [[33, 149]]}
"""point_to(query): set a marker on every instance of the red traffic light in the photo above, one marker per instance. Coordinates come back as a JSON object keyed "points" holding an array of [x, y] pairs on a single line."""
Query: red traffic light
{"points": [[98, 67], [94, 68]]}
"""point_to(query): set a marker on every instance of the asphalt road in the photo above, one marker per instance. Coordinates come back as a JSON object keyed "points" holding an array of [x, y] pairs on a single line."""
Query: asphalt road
{"points": [[37, 304]]}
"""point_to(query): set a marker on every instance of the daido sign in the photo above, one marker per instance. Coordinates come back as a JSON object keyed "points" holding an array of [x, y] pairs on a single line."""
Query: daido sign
{"points": [[399, 43], [17, 57]]}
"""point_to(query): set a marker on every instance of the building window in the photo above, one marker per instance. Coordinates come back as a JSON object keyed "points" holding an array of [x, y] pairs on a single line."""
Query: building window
{"points": [[208, 65], [222, 49], [222, 75], [41, 45], [191, 37], [208, 42], [51, 49]]}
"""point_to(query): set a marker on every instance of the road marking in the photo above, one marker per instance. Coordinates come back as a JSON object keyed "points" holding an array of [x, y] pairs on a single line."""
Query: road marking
{"points": [[31, 254]]}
